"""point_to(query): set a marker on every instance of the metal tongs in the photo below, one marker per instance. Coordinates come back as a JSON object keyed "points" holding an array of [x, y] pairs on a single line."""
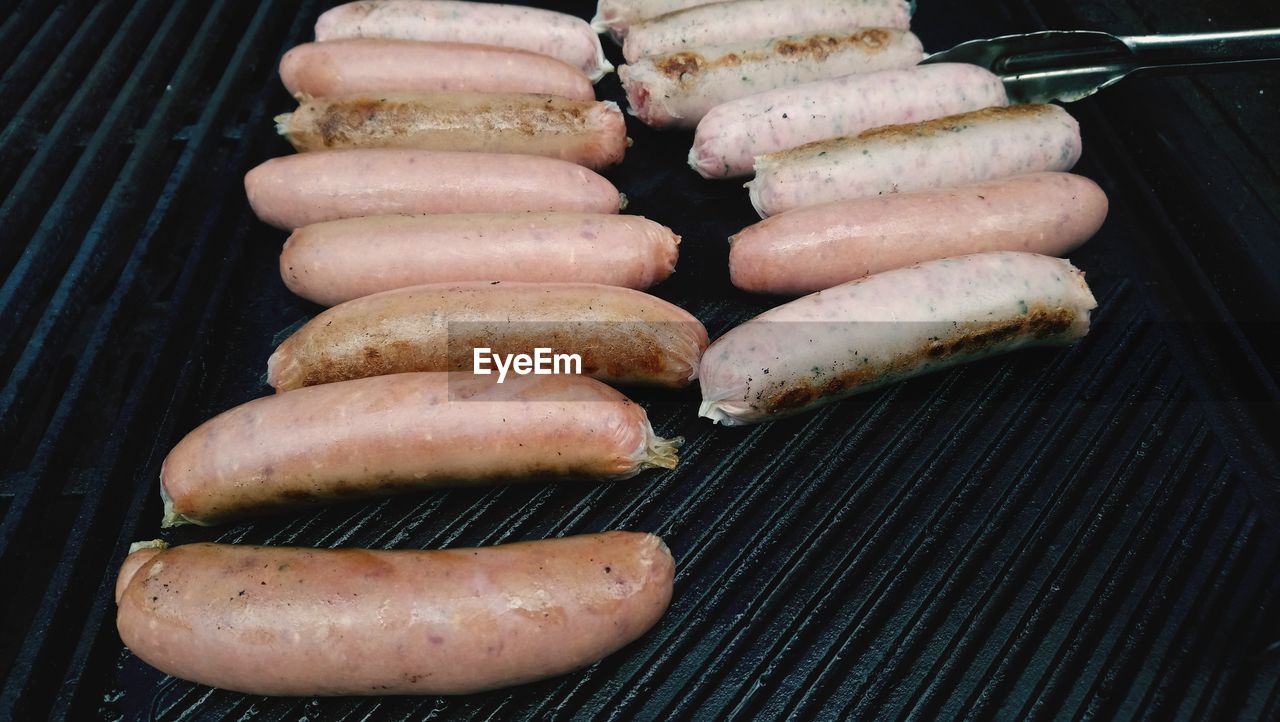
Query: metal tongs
{"points": [[1068, 65]]}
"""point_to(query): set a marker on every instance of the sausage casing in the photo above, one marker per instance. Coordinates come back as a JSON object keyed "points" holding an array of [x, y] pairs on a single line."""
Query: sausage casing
{"points": [[586, 132], [293, 621], [894, 325]]}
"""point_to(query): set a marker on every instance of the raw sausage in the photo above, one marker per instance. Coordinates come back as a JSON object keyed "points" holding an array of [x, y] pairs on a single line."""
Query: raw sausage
{"points": [[297, 190], [561, 36], [622, 335], [293, 621], [888, 327], [676, 90], [401, 433], [585, 132], [731, 135], [816, 247], [378, 65], [617, 16], [724, 23], [967, 148], [340, 260]]}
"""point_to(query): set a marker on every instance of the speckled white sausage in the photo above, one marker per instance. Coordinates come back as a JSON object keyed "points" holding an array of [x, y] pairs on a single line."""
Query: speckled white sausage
{"points": [[888, 327], [292, 621], [622, 335], [966, 148], [676, 90], [587, 132], [816, 247], [297, 190], [401, 433], [730, 136], [333, 262], [377, 65], [547, 32], [617, 16], [740, 21]]}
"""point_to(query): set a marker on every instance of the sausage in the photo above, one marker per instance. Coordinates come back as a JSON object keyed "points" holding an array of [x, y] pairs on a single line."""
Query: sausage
{"points": [[401, 433], [967, 148], [310, 622], [676, 90], [888, 327], [816, 247], [730, 135], [378, 65], [754, 20], [298, 190], [585, 132], [617, 16], [558, 35], [340, 260], [622, 335]]}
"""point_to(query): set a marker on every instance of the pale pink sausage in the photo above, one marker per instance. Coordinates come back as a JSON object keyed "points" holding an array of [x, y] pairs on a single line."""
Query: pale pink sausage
{"points": [[558, 35], [617, 16], [816, 247], [622, 335], [377, 65], [967, 148], [891, 326], [587, 132], [298, 190], [293, 621], [401, 433], [730, 136], [677, 89], [724, 23], [340, 260]]}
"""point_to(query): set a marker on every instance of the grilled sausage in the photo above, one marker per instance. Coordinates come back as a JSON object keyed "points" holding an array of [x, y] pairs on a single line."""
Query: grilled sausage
{"points": [[676, 90], [298, 190], [816, 247], [378, 65], [622, 336], [585, 132], [725, 23], [292, 621], [967, 148], [340, 260], [617, 16], [558, 35], [890, 326], [402, 433], [730, 136]]}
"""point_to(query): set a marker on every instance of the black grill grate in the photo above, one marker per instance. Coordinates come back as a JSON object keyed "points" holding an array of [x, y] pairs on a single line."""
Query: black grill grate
{"points": [[1057, 534]]}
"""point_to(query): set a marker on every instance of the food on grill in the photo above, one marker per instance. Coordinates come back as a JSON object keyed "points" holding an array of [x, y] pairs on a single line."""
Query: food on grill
{"points": [[888, 327], [586, 132], [968, 148], [617, 16], [725, 23], [298, 190], [677, 89], [816, 247], [378, 65], [340, 260], [561, 36], [293, 621], [730, 136], [622, 335], [402, 433]]}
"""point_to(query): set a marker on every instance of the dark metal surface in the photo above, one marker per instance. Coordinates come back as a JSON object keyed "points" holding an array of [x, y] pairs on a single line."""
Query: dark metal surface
{"points": [[1080, 533]]}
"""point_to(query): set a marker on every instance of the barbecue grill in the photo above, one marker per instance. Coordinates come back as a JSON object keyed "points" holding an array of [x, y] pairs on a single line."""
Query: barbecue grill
{"points": [[1061, 533]]}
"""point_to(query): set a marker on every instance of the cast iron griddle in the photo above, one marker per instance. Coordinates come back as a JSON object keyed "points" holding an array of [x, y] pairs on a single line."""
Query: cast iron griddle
{"points": [[1058, 534]]}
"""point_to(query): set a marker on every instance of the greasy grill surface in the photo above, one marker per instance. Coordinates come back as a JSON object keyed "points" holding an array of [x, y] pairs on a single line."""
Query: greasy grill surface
{"points": [[1070, 533]]}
